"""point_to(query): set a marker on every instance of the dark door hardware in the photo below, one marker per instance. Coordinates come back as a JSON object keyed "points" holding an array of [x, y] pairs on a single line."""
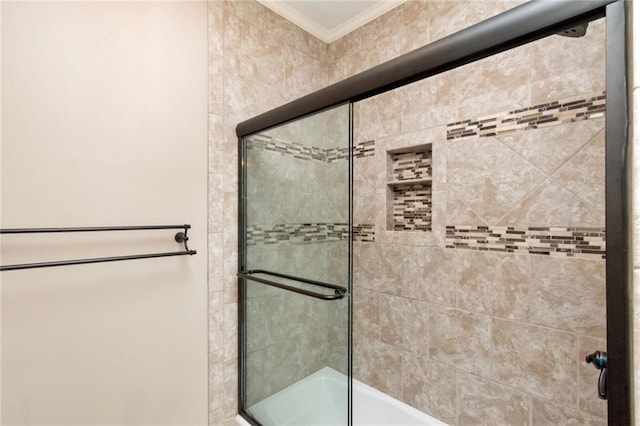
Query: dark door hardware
{"points": [[599, 361]]}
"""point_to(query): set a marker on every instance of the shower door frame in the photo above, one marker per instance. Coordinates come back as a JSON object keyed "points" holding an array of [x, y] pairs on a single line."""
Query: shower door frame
{"points": [[518, 26]]}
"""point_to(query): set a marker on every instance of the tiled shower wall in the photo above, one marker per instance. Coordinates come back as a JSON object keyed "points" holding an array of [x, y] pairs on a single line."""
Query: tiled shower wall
{"points": [[496, 307], [297, 221], [259, 61]]}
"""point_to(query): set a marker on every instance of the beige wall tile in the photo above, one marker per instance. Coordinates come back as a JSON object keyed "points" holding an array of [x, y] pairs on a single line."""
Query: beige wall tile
{"points": [[230, 318], [215, 204], [380, 268], [491, 179], [216, 380], [486, 403], [215, 260], [494, 284], [216, 321], [230, 218], [494, 84], [366, 308], [431, 274], [564, 66], [584, 173], [216, 143], [230, 389], [547, 413], [459, 213], [429, 103], [383, 115], [535, 359], [379, 365], [549, 147], [404, 323], [568, 294], [459, 339], [550, 205], [421, 378]]}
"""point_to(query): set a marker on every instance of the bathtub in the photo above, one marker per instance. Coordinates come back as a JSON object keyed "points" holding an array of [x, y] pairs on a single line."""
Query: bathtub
{"points": [[320, 399]]}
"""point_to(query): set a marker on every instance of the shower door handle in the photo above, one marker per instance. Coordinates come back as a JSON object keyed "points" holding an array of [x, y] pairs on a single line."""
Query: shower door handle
{"points": [[338, 291], [599, 361]]}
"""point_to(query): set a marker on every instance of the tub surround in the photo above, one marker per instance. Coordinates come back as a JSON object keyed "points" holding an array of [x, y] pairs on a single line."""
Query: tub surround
{"points": [[465, 309]]}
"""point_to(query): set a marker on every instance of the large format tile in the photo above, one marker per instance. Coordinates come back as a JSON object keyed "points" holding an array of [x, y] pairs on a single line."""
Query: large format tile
{"points": [[584, 173], [552, 205], [430, 387], [380, 268], [535, 360], [495, 284], [404, 323], [461, 340], [431, 274], [491, 179], [568, 294], [366, 306], [549, 147], [486, 403], [546, 413], [379, 365]]}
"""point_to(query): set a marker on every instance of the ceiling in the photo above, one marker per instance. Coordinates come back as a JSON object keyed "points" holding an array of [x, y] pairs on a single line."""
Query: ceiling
{"points": [[329, 20]]}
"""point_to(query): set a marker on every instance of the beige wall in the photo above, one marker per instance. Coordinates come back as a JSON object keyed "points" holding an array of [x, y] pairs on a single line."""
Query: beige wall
{"points": [[104, 123]]}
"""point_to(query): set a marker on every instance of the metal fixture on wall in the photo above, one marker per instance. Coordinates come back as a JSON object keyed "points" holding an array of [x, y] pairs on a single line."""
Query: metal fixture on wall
{"points": [[180, 237]]}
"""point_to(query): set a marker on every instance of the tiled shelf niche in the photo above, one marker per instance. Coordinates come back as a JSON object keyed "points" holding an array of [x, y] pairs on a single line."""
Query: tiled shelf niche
{"points": [[409, 188]]}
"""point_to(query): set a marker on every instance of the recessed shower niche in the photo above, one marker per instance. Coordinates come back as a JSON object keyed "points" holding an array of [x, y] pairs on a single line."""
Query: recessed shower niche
{"points": [[409, 199]]}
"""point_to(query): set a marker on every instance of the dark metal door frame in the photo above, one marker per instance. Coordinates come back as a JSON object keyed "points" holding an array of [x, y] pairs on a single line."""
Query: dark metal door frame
{"points": [[526, 23]]}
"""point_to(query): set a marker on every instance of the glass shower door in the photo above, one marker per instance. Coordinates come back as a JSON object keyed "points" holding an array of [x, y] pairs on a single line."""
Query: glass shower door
{"points": [[295, 272]]}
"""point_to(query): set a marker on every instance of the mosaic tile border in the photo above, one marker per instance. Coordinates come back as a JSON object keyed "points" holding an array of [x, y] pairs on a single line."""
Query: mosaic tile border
{"points": [[303, 152], [304, 233], [364, 233], [582, 243], [364, 149], [411, 165], [566, 110], [411, 207], [296, 233]]}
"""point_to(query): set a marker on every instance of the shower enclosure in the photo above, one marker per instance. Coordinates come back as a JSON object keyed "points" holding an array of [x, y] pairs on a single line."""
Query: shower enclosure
{"points": [[295, 272], [463, 186]]}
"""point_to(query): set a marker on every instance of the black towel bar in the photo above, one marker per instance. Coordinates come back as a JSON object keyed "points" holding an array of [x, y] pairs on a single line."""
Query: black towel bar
{"points": [[180, 237]]}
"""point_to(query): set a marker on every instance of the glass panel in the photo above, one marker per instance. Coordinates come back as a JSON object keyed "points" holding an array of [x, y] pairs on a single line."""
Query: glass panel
{"points": [[481, 201], [296, 347]]}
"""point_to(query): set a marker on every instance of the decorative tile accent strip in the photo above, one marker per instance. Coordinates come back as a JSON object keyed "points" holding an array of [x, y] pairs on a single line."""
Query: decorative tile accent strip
{"points": [[412, 207], [583, 243], [303, 152], [334, 154], [364, 149], [296, 233], [267, 143], [550, 114], [411, 165], [364, 232]]}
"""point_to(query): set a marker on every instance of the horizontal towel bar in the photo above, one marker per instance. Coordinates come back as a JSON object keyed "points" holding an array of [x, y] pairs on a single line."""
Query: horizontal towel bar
{"points": [[90, 229], [180, 237], [339, 291]]}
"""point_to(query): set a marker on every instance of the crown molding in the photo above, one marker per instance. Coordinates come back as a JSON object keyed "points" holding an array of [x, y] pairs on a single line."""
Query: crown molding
{"points": [[329, 35]]}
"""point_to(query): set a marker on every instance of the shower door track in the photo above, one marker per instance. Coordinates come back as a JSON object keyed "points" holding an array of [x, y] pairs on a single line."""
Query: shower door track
{"points": [[518, 26]]}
